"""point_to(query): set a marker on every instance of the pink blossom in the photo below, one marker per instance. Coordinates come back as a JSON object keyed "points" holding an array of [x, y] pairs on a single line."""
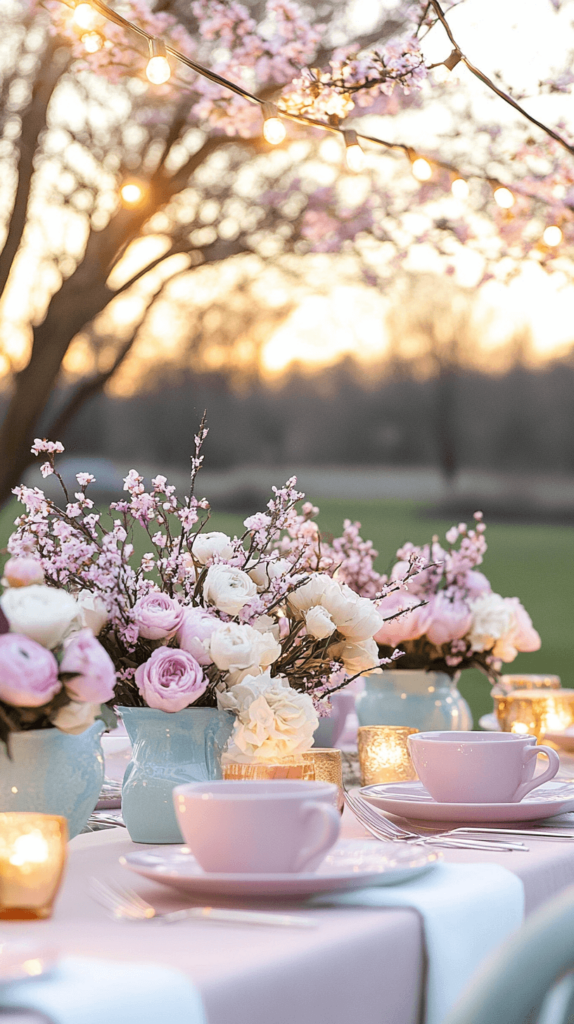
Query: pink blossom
{"points": [[170, 680], [28, 672], [22, 572], [409, 626], [451, 618], [476, 583], [92, 668], [197, 626], [157, 616]]}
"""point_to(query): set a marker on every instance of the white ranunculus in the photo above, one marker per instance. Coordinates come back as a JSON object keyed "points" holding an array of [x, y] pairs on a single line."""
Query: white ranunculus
{"points": [[233, 698], [227, 588], [206, 545], [264, 572], [357, 657], [93, 610], [355, 617], [311, 593], [272, 721], [491, 620], [45, 614], [237, 646], [267, 624], [319, 623], [75, 717]]}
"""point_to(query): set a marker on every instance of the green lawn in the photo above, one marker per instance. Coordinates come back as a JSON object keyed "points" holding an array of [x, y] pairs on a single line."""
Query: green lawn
{"points": [[533, 563]]}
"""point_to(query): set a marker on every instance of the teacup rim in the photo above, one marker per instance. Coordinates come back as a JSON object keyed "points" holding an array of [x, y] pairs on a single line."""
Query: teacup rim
{"points": [[277, 788], [472, 736]]}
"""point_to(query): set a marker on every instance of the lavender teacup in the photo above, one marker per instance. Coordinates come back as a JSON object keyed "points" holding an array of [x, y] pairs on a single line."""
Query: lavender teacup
{"points": [[274, 827], [479, 767]]}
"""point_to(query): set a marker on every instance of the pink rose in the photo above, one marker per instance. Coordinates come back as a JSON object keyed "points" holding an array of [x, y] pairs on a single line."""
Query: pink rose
{"points": [[523, 635], [170, 680], [477, 583], [409, 626], [450, 619], [157, 616], [94, 675], [28, 672], [23, 572], [197, 626]]}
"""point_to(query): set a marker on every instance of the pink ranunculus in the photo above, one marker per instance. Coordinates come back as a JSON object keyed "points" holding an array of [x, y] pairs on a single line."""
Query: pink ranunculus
{"points": [[409, 626], [450, 619], [170, 680], [23, 572], [28, 672], [197, 626], [94, 675], [524, 636], [157, 616], [477, 583]]}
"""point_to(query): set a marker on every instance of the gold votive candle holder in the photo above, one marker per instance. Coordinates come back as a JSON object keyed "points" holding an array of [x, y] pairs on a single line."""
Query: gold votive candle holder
{"points": [[535, 711], [33, 851], [384, 754], [507, 683], [328, 767], [259, 771]]}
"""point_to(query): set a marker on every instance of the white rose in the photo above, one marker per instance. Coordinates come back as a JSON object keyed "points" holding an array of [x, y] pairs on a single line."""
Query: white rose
{"points": [[491, 619], [267, 624], [311, 593], [272, 722], [355, 617], [206, 545], [93, 610], [264, 572], [236, 697], [357, 657], [239, 647], [319, 623], [75, 718], [227, 588], [45, 614]]}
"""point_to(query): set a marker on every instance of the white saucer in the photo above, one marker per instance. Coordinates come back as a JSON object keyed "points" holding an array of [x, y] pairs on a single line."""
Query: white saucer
{"points": [[351, 864], [412, 800]]}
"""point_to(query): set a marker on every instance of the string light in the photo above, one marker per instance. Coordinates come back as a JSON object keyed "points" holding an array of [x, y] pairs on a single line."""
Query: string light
{"points": [[459, 188], [85, 16], [421, 169], [503, 197], [353, 152], [158, 70], [274, 130], [552, 235], [92, 42], [131, 193]]}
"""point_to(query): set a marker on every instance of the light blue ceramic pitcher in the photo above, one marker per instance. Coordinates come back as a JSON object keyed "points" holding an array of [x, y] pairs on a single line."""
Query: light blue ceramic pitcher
{"points": [[168, 750], [422, 700]]}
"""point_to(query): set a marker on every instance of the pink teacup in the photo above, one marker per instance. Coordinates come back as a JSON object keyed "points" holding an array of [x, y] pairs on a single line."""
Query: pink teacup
{"points": [[479, 767], [272, 827]]}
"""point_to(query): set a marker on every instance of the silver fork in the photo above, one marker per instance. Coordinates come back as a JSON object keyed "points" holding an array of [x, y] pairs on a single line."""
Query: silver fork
{"points": [[127, 905], [382, 828]]}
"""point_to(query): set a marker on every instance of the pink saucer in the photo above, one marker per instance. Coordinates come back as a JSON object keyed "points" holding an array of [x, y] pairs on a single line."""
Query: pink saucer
{"points": [[411, 800]]}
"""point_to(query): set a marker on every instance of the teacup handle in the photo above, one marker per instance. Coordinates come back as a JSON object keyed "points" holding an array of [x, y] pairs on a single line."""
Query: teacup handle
{"points": [[553, 766], [329, 834]]}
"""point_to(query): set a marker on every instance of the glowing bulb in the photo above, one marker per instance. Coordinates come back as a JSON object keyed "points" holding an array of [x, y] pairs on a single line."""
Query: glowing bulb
{"points": [[131, 193], [353, 152], [459, 188], [274, 130], [92, 42], [421, 169], [552, 235], [503, 197], [158, 70], [85, 16]]}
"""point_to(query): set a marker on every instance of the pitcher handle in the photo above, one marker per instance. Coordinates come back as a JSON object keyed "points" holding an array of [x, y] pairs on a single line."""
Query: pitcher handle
{"points": [[553, 766], [329, 832]]}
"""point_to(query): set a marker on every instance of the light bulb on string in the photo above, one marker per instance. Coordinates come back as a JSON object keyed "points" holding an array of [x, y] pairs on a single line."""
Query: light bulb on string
{"points": [[274, 130], [503, 197], [421, 169], [92, 42], [552, 235], [131, 193], [158, 70], [353, 152], [459, 188], [85, 16]]}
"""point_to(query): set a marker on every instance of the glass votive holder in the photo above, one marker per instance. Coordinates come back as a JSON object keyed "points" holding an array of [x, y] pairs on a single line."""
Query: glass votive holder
{"points": [[287, 768], [507, 683], [32, 857], [384, 754], [328, 767], [535, 711]]}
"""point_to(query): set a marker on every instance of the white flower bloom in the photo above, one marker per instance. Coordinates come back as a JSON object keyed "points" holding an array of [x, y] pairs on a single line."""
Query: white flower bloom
{"points": [[357, 657], [355, 617], [267, 624], [93, 610], [318, 622], [206, 545], [45, 614], [264, 572], [237, 646], [273, 721], [76, 718], [491, 619], [227, 588]]}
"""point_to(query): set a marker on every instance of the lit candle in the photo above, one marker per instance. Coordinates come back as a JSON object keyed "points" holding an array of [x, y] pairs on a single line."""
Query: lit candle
{"points": [[535, 711], [508, 683], [328, 767], [384, 754], [287, 768], [32, 858]]}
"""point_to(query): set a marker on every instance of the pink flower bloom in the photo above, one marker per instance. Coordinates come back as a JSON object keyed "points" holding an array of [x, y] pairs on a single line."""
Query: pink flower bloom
{"points": [[170, 680], [477, 583], [157, 616], [197, 626], [22, 572], [450, 619], [409, 626], [523, 635], [93, 670], [28, 672]]}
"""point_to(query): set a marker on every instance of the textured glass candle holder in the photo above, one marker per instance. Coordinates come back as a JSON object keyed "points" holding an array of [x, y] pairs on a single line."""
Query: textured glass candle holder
{"points": [[384, 754], [287, 768], [32, 858], [328, 767], [507, 683], [535, 711]]}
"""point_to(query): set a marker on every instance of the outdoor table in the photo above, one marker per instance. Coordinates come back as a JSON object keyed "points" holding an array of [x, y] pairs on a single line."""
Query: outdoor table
{"points": [[362, 964]]}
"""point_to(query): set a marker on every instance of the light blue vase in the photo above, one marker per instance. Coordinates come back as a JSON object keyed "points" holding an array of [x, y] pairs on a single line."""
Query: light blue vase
{"points": [[53, 772], [168, 750], [426, 701]]}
